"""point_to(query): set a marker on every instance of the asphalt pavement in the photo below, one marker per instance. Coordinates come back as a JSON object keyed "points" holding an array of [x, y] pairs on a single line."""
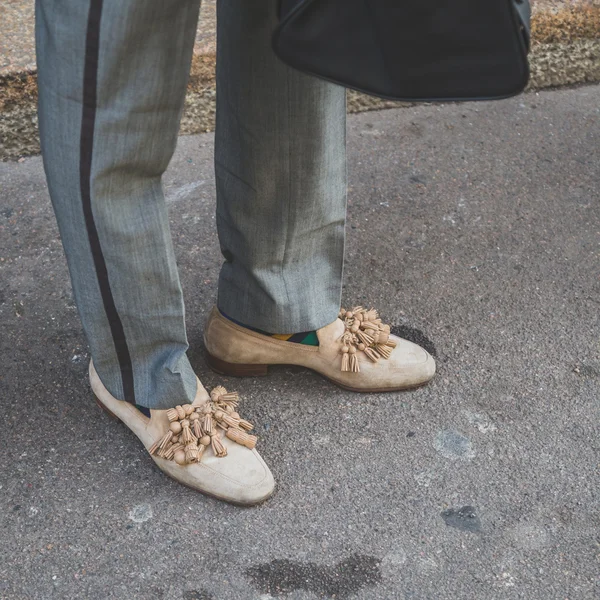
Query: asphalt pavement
{"points": [[475, 229]]}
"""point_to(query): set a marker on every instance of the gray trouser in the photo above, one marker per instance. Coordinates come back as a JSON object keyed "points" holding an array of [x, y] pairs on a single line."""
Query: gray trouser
{"points": [[112, 78]]}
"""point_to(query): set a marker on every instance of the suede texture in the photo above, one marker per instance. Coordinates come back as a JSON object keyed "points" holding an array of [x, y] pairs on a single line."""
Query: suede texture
{"points": [[242, 477], [408, 366]]}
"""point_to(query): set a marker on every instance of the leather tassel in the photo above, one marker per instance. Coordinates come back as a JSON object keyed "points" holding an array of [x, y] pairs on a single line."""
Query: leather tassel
{"points": [[173, 415], [197, 428], [216, 392], [375, 336], [364, 332], [219, 416], [345, 362], [246, 425], [162, 443], [217, 446], [192, 429], [383, 338], [366, 339], [192, 454], [166, 439], [207, 425], [170, 452], [230, 421], [241, 437], [384, 350], [231, 398], [201, 449], [371, 315], [186, 435], [221, 397], [154, 448], [371, 354], [162, 453]]}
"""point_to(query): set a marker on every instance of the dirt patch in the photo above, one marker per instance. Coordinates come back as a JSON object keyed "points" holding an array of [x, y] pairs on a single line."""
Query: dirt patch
{"points": [[575, 22]]}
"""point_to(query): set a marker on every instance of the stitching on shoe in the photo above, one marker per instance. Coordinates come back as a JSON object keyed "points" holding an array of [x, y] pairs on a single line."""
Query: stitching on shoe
{"points": [[215, 472]]}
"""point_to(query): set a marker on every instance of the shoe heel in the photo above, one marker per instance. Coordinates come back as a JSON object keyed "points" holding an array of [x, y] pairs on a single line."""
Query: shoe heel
{"points": [[233, 369], [106, 410]]}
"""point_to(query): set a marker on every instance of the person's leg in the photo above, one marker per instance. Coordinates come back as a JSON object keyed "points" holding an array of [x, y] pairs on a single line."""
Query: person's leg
{"points": [[112, 79], [280, 162], [281, 195]]}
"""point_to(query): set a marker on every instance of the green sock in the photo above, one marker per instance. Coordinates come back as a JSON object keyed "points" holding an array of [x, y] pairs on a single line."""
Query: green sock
{"points": [[308, 338]]}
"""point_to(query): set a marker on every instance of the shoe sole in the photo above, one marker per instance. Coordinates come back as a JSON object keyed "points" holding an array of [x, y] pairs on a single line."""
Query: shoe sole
{"points": [[245, 370], [114, 417]]}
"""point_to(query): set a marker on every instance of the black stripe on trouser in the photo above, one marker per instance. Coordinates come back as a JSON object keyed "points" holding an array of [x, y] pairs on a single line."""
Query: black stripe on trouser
{"points": [[90, 84]]}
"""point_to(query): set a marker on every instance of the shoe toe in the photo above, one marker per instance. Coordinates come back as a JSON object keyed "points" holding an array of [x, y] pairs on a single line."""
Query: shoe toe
{"points": [[411, 362], [408, 366], [241, 477]]}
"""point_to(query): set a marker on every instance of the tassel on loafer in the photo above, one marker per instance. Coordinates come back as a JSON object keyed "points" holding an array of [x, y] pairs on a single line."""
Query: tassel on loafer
{"points": [[357, 352], [204, 445]]}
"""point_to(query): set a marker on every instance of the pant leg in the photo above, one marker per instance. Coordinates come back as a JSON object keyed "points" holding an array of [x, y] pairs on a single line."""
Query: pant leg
{"points": [[112, 78], [280, 164]]}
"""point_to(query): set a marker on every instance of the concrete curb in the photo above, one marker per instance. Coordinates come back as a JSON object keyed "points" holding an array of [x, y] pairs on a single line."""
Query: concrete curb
{"points": [[565, 51]]}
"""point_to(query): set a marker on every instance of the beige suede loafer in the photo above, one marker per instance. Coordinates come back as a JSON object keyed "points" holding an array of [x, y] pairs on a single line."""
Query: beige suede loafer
{"points": [[205, 445], [356, 351]]}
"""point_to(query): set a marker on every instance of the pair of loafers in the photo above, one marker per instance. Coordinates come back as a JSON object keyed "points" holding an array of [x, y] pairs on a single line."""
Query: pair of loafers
{"points": [[209, 447]]}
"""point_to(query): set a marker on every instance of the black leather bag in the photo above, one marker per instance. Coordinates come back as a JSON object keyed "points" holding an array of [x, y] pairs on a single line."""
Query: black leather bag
{"points": [[414, 50]]}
